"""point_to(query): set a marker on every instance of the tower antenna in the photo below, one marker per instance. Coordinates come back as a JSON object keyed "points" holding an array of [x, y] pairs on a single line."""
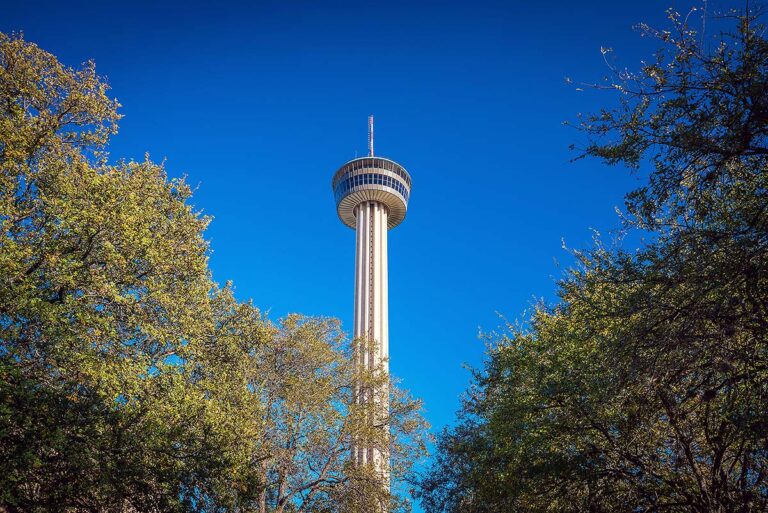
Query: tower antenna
{"points": [[370, 135]]}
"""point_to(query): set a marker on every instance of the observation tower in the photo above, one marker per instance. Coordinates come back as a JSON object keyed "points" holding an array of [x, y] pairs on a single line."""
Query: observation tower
{"points": [[371, 198]]}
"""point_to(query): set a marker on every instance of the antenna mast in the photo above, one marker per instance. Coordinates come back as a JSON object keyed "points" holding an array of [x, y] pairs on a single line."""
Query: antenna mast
{"points": [[370, 135]]}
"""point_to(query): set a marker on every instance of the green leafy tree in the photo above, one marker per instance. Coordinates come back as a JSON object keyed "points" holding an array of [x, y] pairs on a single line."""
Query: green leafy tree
{"points": [[306, 381], [646, 387], [104, 283]]}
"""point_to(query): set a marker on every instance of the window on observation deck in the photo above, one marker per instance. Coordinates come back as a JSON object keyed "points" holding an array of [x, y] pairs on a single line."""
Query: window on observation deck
{"points": [[347, 183]]}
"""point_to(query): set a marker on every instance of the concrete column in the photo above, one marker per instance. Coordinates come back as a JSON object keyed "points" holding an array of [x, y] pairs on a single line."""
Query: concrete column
{"points": [[371, 317]]}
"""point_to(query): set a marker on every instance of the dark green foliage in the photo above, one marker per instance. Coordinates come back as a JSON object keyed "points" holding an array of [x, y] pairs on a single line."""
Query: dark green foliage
{"points": [[646, 388]]}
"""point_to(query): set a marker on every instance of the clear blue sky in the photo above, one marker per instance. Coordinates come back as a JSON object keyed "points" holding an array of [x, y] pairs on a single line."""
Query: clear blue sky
{"points": [[259, 103]]}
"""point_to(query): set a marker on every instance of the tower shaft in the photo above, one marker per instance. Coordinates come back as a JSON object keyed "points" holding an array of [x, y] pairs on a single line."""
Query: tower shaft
{"points": [[371, 326]]}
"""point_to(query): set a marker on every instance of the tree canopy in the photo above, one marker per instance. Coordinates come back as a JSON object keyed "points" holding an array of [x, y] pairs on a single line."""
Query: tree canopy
{"points": [[129, 380], [645, 388]]}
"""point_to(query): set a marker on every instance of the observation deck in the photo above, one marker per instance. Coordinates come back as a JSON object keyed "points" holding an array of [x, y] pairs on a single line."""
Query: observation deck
{"points": [[371, 179]]}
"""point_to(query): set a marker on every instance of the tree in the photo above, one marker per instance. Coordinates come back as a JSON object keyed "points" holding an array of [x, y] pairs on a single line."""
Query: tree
{"points": [[646, 387], [104, 282], [129, 381], [306, 380]]}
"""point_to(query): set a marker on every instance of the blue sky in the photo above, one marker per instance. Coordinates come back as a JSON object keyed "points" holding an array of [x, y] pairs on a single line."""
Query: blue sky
{"points": [[258, 103]]}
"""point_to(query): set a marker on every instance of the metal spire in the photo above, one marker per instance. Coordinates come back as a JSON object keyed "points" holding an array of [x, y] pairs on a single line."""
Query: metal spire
{"points": [[370, 135]]}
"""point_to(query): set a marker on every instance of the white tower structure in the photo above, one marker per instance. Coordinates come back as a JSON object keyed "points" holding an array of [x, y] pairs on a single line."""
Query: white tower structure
{"points": [[371, 198]]}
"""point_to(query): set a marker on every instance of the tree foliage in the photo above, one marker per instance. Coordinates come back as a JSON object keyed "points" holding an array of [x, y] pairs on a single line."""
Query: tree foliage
{"points": [[307, 383], [129, 381], [646, 387]]}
